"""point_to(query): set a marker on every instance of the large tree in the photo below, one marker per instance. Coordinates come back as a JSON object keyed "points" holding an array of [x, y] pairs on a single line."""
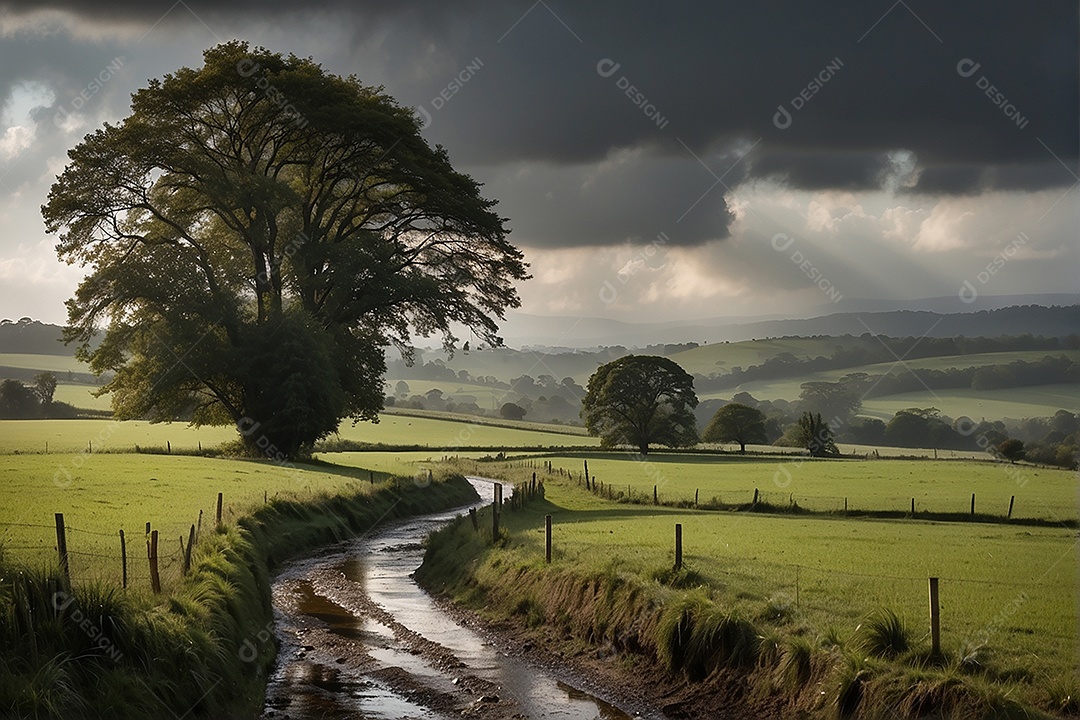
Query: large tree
{"points": [[640, 400], [736, 422], [816, 435], [258, 231]]}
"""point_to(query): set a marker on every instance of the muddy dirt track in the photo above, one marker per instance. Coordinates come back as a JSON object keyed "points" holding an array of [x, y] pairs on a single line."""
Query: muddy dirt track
{"points": [[359, 639]]}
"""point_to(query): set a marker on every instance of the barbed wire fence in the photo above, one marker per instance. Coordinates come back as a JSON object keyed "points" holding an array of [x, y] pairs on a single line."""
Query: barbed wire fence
{"points": [[145, 557]]}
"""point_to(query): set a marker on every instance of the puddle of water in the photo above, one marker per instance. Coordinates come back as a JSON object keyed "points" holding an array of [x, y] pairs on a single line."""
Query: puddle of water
{"points": [[340, 621], [376, 701], [391, 560], [382, 565]]}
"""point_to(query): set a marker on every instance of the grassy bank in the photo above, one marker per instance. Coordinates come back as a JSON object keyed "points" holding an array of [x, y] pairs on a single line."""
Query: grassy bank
{"points": [[780, 614], [201, 650]]}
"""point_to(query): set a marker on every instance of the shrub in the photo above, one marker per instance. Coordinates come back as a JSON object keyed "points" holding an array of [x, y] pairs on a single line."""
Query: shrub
{"points": [[883, 634]]}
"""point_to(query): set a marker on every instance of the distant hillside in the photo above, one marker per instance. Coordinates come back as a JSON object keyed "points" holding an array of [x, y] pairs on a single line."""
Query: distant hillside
{"points": [[1052, 321], [32, 337]]}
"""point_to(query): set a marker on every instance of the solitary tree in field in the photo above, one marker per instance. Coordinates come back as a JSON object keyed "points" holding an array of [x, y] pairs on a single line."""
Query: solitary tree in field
{"points": [[258, 231], [641, 400], [45, 387], [512, 411], [736, 422], [815, 435], [1011, 449]]}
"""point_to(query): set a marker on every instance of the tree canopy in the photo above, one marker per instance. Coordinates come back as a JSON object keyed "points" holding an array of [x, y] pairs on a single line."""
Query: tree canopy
{"points": [[258, 232], [736, 422], [640, 400], [816, 435]]}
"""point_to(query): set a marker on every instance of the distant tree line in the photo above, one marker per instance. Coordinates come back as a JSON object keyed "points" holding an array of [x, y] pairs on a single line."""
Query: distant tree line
{"points": [[24, 402], [540, 399]]}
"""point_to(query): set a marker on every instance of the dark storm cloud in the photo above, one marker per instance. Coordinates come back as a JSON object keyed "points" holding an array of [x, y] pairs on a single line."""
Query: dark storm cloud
{"points": [[982, 97]]}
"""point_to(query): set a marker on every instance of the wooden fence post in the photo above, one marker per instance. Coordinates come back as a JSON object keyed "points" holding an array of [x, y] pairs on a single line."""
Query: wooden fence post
{"points": [[123, 557], [61, 547], [1012, 499], [547, 526], [198, 528], [496, 507], [155, 579], [655, 499], [678, 546], [755, 496], [695, 496], [187, 553], [475, 522], [912, 506], [935, 618], [219, 510], [972, 503]]}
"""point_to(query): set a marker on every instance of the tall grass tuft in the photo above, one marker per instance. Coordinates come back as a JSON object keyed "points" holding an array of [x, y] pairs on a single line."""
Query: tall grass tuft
{"points": [[848, 681], [675, 629], [697, 637], [883, 634], [794, 667], [720, 639]]}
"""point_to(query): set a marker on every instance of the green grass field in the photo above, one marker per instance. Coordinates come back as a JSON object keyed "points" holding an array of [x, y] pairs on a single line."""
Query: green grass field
{"points": [[722, 357], [1016, 403], [100, 494], [943, 486], [1011, 588], [81, 396], [108, 435], [485, 396], [53, 363]]}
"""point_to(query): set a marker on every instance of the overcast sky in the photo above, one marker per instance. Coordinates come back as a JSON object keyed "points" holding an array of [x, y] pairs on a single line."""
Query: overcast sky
{"points": [[656, 161]]}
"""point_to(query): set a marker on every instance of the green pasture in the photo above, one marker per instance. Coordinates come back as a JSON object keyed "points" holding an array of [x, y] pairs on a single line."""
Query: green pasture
{"points": [[31, 436], [547, 427], [485, 396], [101, 494], [942, 486], [81, 396], [53, 363], [722, 357], [1011, 589], [1016, 403], [405, 464]]}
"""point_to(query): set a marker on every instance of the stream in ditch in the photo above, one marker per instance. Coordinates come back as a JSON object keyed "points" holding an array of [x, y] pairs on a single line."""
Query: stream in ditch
{"points": [[360, 639]]}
